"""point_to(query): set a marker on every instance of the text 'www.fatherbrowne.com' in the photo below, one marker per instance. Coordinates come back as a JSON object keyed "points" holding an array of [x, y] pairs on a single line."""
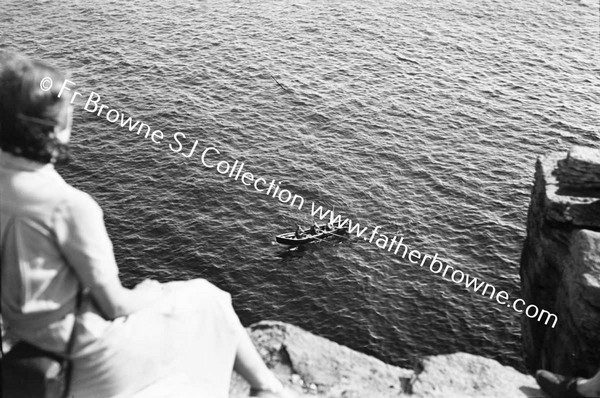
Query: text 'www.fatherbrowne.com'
{"points": [[397, 246], [210, 158]]}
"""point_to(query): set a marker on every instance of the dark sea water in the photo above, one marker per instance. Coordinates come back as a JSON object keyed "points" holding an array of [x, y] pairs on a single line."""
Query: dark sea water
{"points": [[422, 117]]}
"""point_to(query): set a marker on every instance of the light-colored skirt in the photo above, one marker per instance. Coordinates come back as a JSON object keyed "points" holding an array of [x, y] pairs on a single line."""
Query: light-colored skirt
{"points": [[184, 346]]}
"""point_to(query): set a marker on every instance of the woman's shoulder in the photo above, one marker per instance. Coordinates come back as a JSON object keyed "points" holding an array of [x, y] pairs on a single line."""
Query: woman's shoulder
{"points": [[41, 194], [76, 202]]}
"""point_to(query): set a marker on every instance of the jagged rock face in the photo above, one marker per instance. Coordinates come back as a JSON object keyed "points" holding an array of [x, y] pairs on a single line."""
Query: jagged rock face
{"points": [[560, 264]]}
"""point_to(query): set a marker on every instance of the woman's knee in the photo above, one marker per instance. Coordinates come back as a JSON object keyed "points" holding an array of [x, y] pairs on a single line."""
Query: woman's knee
{"points": [[194, 285], [200, 291]]}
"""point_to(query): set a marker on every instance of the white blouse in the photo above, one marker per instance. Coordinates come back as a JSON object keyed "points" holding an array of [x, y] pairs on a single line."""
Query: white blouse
{"points": [[51, 237]]}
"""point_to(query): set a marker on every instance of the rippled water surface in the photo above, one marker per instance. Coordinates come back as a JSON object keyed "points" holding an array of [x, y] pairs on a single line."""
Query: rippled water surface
{"points": [[422, 117]]}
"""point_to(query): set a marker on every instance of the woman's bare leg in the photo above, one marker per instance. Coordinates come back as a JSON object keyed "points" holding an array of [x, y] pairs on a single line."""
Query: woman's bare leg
{"points": [[251, 367]]}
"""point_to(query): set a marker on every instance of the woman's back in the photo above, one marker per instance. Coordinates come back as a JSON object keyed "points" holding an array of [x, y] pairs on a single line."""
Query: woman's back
{"points": [[39, 287]]}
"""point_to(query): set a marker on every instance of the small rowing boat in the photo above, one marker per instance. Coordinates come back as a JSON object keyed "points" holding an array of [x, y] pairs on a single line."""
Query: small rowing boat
{"points": [[321, 232]]}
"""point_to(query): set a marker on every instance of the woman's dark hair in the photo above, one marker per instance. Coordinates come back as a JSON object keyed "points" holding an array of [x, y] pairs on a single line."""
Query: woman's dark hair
{"points": [[28, 114]]}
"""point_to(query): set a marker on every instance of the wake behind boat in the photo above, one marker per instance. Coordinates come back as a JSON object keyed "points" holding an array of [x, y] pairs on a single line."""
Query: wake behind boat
{"points": [[314, 233]]}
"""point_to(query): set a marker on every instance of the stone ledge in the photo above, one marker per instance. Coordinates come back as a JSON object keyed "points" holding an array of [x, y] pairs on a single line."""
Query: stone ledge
{"points": [[463, 375], [567, 201], [314, 366], [580, 170]]}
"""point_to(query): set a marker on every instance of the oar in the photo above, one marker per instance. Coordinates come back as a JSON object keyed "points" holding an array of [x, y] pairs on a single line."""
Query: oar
{"points": [[334, 234], [340, 236], [283, 88]]}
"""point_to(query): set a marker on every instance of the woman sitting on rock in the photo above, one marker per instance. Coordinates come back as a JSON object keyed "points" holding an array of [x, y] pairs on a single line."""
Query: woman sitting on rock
{"points": [[53, 243]]}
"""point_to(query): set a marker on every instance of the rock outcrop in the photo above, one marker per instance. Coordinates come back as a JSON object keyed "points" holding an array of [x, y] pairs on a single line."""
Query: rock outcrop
{"points": [[313, 365], [316, 367], [560, 264]]}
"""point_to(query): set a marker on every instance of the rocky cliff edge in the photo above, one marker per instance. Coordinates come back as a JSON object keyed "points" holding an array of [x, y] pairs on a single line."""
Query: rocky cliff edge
{"points": [[316, 367]]}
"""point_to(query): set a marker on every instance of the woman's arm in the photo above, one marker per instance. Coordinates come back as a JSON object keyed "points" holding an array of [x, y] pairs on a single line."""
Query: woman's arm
{"points": [[84, 242], [114, 300]]}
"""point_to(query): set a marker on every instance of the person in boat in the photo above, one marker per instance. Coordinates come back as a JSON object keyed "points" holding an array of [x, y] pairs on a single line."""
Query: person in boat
{"points": [[53, 244], [315, 229], [299, 232]]}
